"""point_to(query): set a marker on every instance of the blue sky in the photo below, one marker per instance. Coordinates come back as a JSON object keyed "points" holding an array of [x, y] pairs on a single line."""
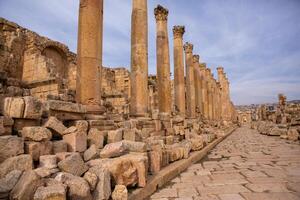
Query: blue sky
{"points": [[256, 41]]}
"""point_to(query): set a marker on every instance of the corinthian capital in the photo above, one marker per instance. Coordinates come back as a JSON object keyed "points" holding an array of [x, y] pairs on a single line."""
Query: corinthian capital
{"points": [[196, 58], [161, 13], [188, 47], [178, 31]]}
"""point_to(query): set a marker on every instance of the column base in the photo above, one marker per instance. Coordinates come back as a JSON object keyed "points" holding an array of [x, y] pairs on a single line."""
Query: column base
{"points": [[95, 109]]}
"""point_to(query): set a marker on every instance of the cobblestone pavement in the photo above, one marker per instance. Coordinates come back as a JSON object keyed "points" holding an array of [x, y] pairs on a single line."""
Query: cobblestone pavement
{"points": [[246, 165]]}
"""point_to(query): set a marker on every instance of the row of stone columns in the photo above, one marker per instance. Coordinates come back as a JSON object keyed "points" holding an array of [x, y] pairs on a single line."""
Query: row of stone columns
{"points": [[197, 94]]}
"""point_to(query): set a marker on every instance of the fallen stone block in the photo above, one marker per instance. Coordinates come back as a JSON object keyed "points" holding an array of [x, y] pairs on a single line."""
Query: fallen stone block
{"points": [[78, 188], [44, 172], [95, 137], [48, 161], [56, 126], [114, 150], [19, 124], [14, 107], [155, 161], [33, 108], [115, 136], [73, 164], [135, 146], [197, 144], [293, 134], [59, 146], [103, 187], [8, 182], [36, 134], [21, 163], [276, 131], [92, 179], [124, 172], [120, 193], [26, 186], [75, 139], [37, 149], [90, 153], [10, 146], [53, 192]]}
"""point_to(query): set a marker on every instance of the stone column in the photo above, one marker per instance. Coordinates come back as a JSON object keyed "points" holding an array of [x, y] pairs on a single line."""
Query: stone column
{"points": [[179, 85], [89, 54], [139, 58], [204, 91], [190, 83], [163, 60], [197, 82], [209, 93]]}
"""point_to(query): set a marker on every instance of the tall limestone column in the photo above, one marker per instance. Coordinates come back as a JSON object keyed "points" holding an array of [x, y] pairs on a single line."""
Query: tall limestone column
{"points": [[179, 85], [89, 54], [139, 58], [190, 82], [204, 84], [209, 94], [196, 64], [163, 60]]}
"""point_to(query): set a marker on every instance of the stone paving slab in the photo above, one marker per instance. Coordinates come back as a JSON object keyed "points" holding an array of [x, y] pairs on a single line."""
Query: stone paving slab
{"points": [[244, 166]]}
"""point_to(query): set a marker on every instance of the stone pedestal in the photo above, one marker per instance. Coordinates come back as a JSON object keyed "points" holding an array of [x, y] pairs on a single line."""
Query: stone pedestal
{"points": [[190, 83], [179, 85], [163, 60], [139, 59], [90, 31]]}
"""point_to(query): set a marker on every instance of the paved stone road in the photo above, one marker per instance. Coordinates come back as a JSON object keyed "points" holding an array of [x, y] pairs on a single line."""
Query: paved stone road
{"points": [[246, 165]]}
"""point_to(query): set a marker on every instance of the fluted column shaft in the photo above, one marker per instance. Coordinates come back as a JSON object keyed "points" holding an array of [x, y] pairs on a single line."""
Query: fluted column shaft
{"points": [[179, 85], [197, 79], [163, 60], [139, 58], [89, 54]]}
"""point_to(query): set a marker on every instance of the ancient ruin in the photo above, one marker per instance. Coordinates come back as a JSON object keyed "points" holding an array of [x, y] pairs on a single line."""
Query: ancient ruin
{"points": [[71, 128]]}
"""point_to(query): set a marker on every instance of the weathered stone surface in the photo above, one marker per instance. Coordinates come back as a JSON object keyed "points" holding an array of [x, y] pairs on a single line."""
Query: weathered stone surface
{"points": [[59, 146], [114, 150], [56, 126], [33, 108], [197, 144], [130, 134], [293, 134], [65, 106], [103, 187], [21, 163], [44, 172], [76, 139], [36, 134], [120, 193], [53, 192], [90, 153], [276, 131], [26, 186], [95, 137], [8, 182], [135, 146], [124, 172], [140, 161], [73, 164], [37, 149], [48, 161], [115, 136], [10, 146], [78, 187], [155, 159], [14, 107], [92, 179]]}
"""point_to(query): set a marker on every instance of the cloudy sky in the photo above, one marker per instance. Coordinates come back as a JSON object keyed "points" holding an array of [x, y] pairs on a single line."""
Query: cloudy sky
{"points": [[256, 41]]}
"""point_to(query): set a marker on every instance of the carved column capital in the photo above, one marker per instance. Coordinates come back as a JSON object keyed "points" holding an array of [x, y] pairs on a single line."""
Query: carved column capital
{"points": [[178, 31], [161, 13], [196, 58], [188, 47]]}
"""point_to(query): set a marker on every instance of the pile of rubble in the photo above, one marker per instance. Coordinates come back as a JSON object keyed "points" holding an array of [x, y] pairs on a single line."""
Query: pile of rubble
{"points": [[48, 149]]}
